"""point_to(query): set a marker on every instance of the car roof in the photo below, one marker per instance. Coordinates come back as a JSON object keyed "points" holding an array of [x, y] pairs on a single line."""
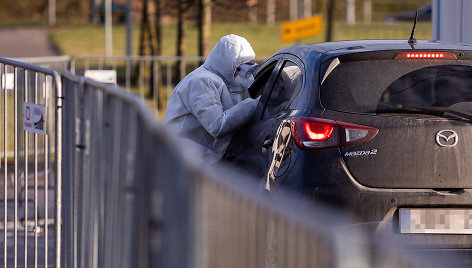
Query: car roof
{"points": [[356, 46]]}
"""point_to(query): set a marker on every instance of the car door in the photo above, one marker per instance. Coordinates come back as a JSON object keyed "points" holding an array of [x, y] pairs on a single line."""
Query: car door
{"points": [[277, 84]]}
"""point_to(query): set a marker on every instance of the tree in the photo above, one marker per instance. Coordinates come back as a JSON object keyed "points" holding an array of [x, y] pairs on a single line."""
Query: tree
{"points": [[92, 11], [150, 44], [367, 11], [329, 32], [270, 14], [252, 10], [307, 8], [182, 7], [350, 12], [293, 9], [156, 80], [204, 26]]}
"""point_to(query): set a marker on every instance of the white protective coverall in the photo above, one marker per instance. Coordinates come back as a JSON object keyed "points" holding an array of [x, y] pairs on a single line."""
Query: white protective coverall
{"points": [[207, 106]]}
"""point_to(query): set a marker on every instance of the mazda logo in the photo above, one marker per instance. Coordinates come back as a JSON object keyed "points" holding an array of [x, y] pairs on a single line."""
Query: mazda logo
{"points": [[446, 138]]}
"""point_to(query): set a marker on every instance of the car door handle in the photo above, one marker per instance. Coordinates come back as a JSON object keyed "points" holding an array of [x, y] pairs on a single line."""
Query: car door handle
{"points": [[268, 143]]}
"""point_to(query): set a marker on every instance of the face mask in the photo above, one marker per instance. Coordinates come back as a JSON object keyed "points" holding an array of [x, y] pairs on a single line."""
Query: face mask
{"points": [[243, 81], [245, 76]]}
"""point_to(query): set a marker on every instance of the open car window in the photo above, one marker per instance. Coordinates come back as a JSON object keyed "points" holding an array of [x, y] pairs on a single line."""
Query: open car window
{"points": [[261, 80], [287, 85]]}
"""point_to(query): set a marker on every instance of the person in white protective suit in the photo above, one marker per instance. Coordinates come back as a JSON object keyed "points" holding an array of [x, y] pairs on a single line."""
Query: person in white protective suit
{"points": [[211, 102]]}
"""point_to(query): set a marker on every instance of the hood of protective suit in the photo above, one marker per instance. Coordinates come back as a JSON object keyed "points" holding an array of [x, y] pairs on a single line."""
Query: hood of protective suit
{"points": [[230, 52]]}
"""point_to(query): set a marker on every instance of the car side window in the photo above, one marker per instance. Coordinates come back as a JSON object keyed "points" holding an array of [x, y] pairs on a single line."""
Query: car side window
{"points": [[287, 85], [261, 80]]}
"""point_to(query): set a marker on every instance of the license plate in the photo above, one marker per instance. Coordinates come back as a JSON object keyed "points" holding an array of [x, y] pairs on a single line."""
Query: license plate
{"points": [[435, 221]]}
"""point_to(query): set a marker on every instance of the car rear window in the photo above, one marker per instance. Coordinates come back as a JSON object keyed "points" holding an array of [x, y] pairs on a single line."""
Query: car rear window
{"points": [[369, 86]]}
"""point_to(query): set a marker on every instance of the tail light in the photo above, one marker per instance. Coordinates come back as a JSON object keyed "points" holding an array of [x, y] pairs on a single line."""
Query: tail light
{"points": [[317, 133]]}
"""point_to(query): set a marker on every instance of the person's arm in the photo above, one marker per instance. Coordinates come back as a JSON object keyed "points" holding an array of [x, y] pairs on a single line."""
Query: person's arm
{"points": [[205, 104]]}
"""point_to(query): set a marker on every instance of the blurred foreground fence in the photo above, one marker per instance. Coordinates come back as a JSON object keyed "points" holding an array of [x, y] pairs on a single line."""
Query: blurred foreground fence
{"points": [[129, 196]]}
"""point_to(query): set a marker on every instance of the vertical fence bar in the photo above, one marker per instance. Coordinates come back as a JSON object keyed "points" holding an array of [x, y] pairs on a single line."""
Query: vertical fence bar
{"points": [[118, 184], [46, 178], [15, 142], [183, 69], [169, 79], [58, 167], [78, 171], [66, 210], [129, 193], [155, 84], [141, 77], [36, 200], [97, 167], [87, 64], [118, 117], [86, 214], [5, 166], [128, 73], [26, 88], [72, 66], [5, 136], [81, 173]]}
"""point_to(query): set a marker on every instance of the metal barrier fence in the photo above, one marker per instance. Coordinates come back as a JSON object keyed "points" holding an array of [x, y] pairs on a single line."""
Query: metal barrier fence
{"points": [[55, 63], [30, 103], [132, 198]]}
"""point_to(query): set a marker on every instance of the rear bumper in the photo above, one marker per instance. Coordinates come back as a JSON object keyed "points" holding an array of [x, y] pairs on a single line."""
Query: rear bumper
{"points": [[375, 208], [402, 246]]}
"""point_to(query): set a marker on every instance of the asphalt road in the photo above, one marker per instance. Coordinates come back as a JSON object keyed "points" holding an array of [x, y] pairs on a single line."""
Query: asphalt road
{"points": [[35, 253], [25, 42]]}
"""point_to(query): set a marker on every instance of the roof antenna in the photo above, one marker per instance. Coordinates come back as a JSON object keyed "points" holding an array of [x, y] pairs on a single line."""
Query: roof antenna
{"points": [[412, 40]]}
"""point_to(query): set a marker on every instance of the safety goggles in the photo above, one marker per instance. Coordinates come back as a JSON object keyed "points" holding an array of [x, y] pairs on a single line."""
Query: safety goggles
{"points": [[247, 69]]}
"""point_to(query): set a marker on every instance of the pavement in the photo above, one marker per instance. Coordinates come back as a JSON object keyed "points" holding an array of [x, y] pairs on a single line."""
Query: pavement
{"points": [[25, 42]]}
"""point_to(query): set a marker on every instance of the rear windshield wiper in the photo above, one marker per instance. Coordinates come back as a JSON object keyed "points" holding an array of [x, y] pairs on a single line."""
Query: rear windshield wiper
{"points": [[437, 111]]}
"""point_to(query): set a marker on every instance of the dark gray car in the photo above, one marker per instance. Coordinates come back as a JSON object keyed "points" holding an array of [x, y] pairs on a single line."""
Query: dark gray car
{"points": [[378, 128]]}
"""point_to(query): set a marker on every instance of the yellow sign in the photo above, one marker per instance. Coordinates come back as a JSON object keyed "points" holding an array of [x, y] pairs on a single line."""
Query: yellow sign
{"points": [[297, 29]]}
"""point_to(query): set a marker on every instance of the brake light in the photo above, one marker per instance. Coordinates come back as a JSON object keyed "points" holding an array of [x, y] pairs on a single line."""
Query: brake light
{"points": [[317, 133], [425, 55]]}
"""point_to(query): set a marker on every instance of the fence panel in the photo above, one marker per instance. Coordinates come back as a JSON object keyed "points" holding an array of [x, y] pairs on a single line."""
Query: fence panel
{"points": [[30, 103], [103, 199], [55, 63]]}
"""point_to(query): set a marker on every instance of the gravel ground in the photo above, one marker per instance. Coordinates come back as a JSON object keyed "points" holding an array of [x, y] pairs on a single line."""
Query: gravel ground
{"points": [[25, 42]]}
